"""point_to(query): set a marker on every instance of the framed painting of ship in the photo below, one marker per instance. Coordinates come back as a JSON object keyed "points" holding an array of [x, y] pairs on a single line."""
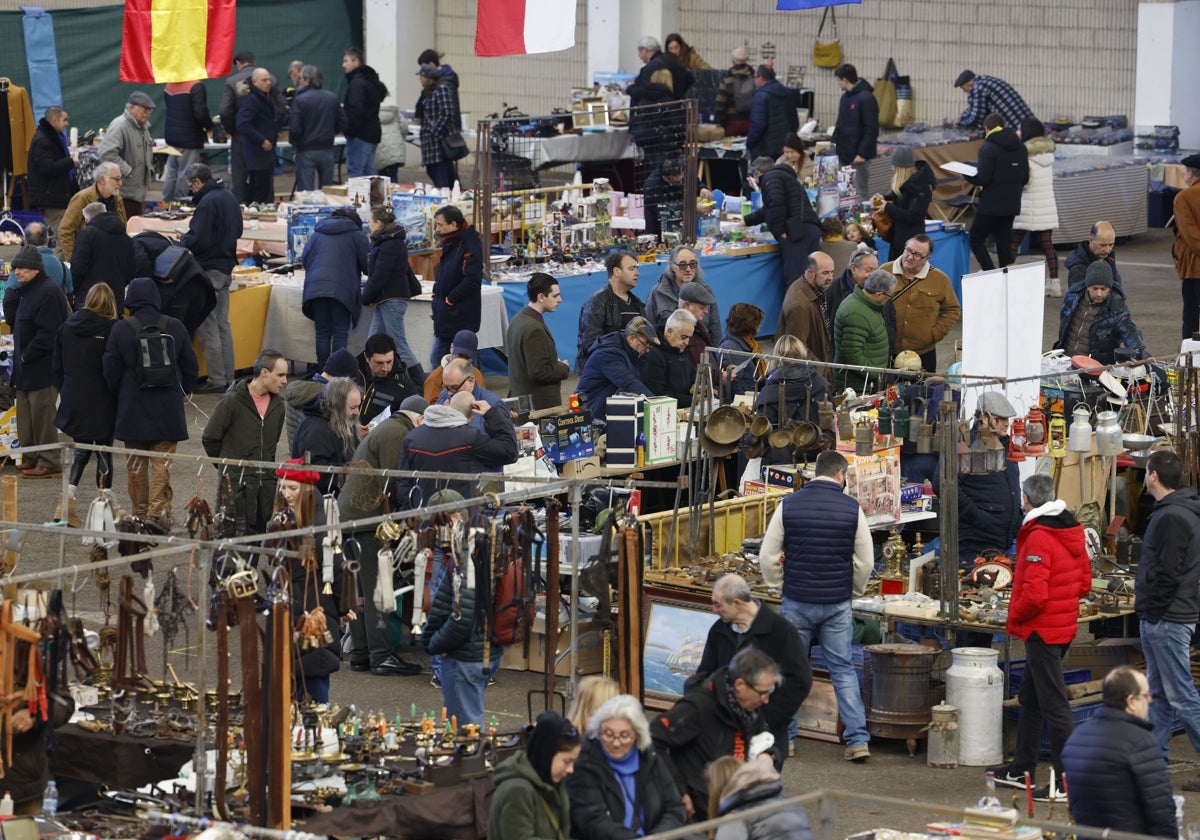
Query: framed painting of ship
{"points": [[674, 638]]}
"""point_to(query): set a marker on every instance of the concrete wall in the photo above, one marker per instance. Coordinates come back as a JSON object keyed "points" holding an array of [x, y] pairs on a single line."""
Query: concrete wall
{"points": [[1071, 57]]}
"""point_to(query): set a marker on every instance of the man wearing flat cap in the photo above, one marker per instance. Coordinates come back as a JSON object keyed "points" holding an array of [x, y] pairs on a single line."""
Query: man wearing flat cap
{"points": [[989, 503], [1186, 248], [989, 95], [35, 310], [128, 144], [1095, 319], [699, 300]]}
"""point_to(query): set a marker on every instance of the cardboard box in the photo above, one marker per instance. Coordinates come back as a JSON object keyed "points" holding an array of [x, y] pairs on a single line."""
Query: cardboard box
{"points": [[759, 488], [659, 424], [567, 437], [1100, 656], [624, 422], [582, 467], [786, 477], [515, 658], [590, 656], [302, 221], [589, 550]]}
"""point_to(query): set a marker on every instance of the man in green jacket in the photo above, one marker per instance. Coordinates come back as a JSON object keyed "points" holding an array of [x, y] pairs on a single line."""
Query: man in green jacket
{"points": [[246, 424], [859, 332]]}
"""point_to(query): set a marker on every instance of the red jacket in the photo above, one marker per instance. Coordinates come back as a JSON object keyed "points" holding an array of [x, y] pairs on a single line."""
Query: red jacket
{"points": [[1052, 573]]}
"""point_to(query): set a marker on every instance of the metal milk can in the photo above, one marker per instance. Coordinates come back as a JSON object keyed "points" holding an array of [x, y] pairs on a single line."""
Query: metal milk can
{"points": [[975, 686], [943, 737]]}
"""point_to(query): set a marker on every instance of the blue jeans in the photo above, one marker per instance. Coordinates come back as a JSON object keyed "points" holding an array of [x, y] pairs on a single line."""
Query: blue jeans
{"points": [[833, 626], [215, 336], [441, 346], [442, 174], [310, 162], [360, 158], [331, 324], [463, 685], [389, 318], [1168, 670], [175, 188]]}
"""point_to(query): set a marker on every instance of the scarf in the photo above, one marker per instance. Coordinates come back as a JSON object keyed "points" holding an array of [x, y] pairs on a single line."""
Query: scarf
{"points": [[760, 365], [744, 719], [625, 770]]}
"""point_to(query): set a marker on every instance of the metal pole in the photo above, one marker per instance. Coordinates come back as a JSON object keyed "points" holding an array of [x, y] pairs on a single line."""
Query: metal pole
{"points": [[948, 511]]}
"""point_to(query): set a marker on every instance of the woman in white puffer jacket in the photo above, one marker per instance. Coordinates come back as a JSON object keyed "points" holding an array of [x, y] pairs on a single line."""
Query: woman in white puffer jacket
{"points": [[1039, 212]]}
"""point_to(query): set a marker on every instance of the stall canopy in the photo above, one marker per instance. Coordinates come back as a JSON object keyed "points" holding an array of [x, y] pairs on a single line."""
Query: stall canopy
{"points": [[797, 5]]}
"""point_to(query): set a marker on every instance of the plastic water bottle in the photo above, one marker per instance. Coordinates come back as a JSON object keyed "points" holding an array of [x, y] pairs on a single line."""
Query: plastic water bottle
{"points": [[6, 805], [989, 799], [50, 799]]}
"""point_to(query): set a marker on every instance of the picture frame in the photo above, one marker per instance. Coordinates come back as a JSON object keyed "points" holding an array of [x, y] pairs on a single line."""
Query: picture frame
{"points": [[599, 112], [581, 119], [673, 636]]}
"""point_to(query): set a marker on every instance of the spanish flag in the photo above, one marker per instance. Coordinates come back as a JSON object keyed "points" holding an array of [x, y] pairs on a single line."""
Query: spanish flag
{"points": [[177, 40]]}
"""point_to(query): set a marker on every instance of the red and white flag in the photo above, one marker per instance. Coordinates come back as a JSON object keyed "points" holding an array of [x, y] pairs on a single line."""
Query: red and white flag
{"points": [[517, 27]]}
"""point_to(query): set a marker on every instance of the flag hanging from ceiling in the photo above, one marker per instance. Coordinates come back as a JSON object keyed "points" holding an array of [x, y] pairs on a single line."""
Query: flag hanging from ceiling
{"points": [[516, 27], [177, 40], [796, 5]]}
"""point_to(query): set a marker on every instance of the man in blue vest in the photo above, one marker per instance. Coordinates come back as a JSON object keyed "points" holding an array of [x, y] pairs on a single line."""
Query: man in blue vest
{"points": [[818, 548]]}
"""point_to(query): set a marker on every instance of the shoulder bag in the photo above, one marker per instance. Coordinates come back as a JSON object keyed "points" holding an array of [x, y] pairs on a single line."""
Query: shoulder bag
{"points": [[827, 53]]}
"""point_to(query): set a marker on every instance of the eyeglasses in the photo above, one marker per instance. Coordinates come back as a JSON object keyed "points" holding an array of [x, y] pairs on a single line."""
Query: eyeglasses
{"points": [[690, 265], [765, 695], [686, 336], [909, 252], [454, 389], [618, 737]]}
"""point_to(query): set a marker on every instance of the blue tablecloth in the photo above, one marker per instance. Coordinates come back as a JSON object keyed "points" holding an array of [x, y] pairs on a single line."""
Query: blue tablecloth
{"points": [[951, 254], [752, 278]]}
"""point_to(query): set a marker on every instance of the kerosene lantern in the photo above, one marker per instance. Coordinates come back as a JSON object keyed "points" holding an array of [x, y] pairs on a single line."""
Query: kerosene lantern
{"points": [[1056, 436], [994, 454], [1017, 441], [1035, 432]]}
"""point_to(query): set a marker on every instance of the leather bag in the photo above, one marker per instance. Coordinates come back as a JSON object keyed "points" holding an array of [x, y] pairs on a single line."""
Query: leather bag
{"points": [[827, 53]]}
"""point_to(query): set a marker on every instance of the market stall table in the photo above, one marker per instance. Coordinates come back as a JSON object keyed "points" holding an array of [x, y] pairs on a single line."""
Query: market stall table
{"points": [[733, 277], [1090, 188], [590, 146], [117, 762], [257, 235], [454, 812]]}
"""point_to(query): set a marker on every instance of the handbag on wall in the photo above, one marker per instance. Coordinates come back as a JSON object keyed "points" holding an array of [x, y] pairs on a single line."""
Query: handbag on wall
{"points": [[454, 146], [885, 95], [905, 107], [827, 53]]}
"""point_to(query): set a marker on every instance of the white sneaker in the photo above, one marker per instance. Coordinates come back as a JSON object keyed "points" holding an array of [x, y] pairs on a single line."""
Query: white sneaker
{"points": [[1053, 287]]}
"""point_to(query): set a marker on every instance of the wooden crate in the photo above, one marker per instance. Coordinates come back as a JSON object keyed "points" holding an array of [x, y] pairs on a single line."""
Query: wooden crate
{"points": [[732, 521]]}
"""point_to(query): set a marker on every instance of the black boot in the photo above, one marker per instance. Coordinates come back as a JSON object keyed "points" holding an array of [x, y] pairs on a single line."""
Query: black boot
{"points": [[78, 463], [417, 374]]}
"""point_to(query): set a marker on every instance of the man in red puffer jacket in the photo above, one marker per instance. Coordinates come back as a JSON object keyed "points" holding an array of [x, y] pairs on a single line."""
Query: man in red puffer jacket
{"points": [[1052, 573]]}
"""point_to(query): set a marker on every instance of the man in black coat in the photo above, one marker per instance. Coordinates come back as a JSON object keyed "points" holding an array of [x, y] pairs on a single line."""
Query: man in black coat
{"points": [[386, 385], [746, 622], [148, 418], [258, 132], [772, 114], [1117, 770], [50, 182], [1002, 173], [186, 130], [315, 119], [723, 716], [857, 128], [212, 238], [364, 93], [789, 216], [35, 310], [236, 86], [103, 254], [183, 287]]}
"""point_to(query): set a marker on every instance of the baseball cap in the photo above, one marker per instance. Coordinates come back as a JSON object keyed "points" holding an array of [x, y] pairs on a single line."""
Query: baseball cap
{"points": [[640, 327]]}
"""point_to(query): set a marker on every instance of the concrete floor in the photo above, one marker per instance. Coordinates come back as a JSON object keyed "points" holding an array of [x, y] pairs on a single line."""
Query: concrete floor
{"points": [[1146, 267]]}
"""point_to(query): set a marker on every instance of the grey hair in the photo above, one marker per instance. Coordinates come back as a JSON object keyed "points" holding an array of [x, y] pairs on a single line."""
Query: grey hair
{"points": [[1039, 489], [750, 663], [313, 75], [336, 397], [880, 281], [698, 274], [680, 318], [739, 54], [649, 42], [93, 210], [108, 169], [36, 234], [861, 254], [760, 165], [622, 707], [731, 587]]}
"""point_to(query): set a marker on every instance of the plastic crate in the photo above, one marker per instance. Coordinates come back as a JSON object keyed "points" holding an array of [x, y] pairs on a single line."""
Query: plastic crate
{"points": [[1079, 713], [1071, 676], [817, 657]]}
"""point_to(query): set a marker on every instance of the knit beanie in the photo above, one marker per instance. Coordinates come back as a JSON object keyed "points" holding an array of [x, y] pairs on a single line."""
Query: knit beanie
{"points": [[29, 257], [341, 363], [1099, 273]]}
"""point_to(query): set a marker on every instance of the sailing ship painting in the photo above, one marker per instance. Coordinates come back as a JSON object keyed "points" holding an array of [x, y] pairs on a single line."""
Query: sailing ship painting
{"points": [[675, 636]]}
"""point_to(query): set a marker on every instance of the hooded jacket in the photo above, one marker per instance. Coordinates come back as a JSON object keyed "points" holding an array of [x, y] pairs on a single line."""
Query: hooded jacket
{"points": [[1169, 574], [381, 393], [860, 337], [1112, 327], [524, 807], [775, 636], [1002, 173], [103, 254], [335, 258], [48, 183], [316, 439], [393, 128], [456, 301], [214, 228], [700, 727], [187, 294], [87, 409], [664, 299], [388, 271], [1039, 210], [598, 805], [35, 311], [1078, 260], [856, 131], [772, 116], [364, 92], [235, 430], [130, 147], [1052, 572], [1119, 776], [447, 442], [753, 785], [670, 372], [155, 414], [786, 208], [362, 495], [909, 208], [612, 366]]}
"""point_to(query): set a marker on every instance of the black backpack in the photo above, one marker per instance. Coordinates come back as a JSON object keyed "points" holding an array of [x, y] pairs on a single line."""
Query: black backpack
{"points": [[743, 94], [154, 355]]}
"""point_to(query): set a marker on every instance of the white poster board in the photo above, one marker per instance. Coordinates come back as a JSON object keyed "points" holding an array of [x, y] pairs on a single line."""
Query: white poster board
{"points": [[1002, 333]]}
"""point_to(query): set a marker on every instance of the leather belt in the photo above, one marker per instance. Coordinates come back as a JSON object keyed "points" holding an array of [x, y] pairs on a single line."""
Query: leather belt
{"points": [[130, 665], [242, 588], [221, 617]]}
